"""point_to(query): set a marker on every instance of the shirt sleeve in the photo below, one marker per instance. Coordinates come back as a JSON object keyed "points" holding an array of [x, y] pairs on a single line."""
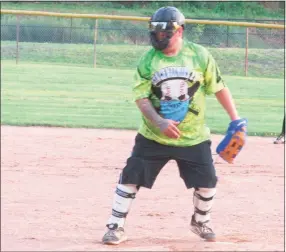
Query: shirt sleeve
{"points": [[212, 76], [142, 78], [142, 86]]}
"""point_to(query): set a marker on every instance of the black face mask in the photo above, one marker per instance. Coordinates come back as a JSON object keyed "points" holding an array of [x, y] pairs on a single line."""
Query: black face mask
{"points": [[155, 28], [163, 43]]}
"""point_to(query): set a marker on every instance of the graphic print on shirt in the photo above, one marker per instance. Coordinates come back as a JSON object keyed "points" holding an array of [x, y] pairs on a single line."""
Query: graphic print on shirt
{"points": [[172, 86]]}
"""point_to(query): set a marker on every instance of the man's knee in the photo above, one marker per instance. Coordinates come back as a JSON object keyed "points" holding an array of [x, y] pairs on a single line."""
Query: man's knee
{"points": [[139, 172]]}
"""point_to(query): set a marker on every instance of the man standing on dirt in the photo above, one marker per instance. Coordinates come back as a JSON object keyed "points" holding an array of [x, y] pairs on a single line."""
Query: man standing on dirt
{"points": [[171, 83], [281, 137]]}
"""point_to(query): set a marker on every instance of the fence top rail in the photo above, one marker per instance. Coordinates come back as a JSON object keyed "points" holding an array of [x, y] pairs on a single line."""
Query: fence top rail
{"points": [[134, 18]]}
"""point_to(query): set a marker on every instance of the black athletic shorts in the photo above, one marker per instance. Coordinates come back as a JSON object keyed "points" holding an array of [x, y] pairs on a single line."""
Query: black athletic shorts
{"points": [[148, 157]]}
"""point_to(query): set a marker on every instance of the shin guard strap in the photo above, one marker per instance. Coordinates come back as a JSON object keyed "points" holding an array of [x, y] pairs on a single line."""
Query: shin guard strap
{"points": [[119, 214], [201, 212], [125, 194], [200, 197]]}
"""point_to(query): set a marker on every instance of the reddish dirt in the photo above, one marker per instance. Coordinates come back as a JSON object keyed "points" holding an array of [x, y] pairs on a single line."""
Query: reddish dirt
{"points": [[57, 186]]}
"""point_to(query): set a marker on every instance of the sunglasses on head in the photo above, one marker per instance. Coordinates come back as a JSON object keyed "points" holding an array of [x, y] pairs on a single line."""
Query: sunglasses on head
{"points": [[163, 26]]}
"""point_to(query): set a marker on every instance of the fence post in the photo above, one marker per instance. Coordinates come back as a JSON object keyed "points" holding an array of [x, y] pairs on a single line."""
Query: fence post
{"points": [[227, 36], [246, 53], [71, 31], [17, 38], [94, 42]]}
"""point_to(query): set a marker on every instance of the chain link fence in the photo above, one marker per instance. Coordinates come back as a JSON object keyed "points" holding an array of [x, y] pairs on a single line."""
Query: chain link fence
{"points": [[119, 44]]}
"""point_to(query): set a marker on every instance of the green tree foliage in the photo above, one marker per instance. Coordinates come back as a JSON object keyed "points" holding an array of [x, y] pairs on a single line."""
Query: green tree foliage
{"points": [[66, 30]]}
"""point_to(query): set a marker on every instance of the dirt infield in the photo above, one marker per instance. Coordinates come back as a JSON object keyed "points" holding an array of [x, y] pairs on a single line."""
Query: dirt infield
{"points": [[57, 186]]}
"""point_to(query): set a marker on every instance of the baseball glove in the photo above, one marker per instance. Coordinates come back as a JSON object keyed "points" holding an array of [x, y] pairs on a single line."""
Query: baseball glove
{"points": [[234, 140]]}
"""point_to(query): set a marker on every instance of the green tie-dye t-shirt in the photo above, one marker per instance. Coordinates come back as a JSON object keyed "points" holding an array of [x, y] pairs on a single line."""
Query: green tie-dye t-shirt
{"points": [[192, 74]]}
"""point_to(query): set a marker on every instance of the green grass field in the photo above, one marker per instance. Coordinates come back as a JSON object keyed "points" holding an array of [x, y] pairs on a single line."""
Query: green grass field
{"points": [[262, 62], [69, 96]]}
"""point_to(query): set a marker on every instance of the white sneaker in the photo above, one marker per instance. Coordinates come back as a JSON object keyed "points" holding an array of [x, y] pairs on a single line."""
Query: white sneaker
{"points": [[114, 235], [202, 230], [280, 139]]}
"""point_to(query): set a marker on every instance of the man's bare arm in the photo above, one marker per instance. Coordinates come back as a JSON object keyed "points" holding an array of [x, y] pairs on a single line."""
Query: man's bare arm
{"points": [[168, 127], [151, 114], [225, 98]]}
